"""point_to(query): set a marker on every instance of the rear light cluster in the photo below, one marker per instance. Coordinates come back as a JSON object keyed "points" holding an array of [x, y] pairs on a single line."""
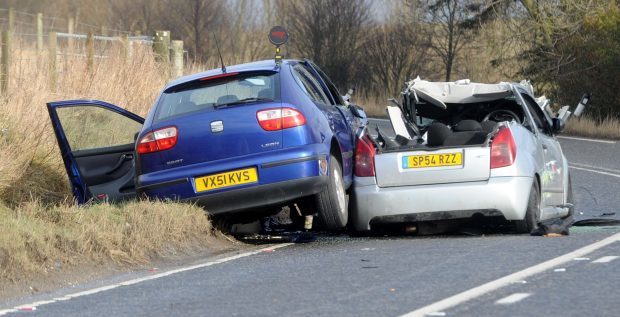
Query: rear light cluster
{"points": [[280, 118], [365, 157], [503, 149], [158, 140]]}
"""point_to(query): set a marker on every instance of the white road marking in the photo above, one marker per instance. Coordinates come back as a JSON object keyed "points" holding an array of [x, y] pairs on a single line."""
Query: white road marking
{"points": [[594, 171], [511, 299], [587, 139], [33, 306], [478, 291], [605, 169], [605, 259], [581, 259]]}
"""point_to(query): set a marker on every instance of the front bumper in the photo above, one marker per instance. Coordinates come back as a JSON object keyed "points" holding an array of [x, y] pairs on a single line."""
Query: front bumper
{"points": [[504, 196]]}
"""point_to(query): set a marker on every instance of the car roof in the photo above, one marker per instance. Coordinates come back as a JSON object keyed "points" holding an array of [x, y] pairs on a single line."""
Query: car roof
{"points": [[461, 91], [269, 64]]}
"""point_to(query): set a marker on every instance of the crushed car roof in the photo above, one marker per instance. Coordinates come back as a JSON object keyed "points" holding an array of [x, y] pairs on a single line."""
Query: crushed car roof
{"points": [[460, 91]]}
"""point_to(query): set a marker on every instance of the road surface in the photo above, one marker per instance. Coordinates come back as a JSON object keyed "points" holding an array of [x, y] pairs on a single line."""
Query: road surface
{"points": [[450, 275]]}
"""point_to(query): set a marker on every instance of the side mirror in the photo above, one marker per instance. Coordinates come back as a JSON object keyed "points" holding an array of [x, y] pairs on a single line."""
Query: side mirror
{"points": [[558, 125], [358, 111]]}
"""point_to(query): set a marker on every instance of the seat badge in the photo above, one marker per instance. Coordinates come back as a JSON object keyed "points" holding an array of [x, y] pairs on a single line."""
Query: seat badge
{"points": [[217, 126]]}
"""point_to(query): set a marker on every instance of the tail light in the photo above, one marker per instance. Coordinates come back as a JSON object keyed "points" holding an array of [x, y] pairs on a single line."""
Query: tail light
{"points": [[280, 118], [365, 157], [158, 140], [503, 149]]}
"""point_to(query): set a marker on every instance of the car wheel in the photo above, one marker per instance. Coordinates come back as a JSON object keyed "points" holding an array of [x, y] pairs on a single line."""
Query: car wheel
{"points": [[331, 202], [532, 214]]}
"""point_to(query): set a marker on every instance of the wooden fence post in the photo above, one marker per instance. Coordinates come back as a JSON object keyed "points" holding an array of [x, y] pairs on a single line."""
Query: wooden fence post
{"points": [[11, 19], [90, 51], [52, 59], [125, 47], [71, 31], [5, 61], [177, 58], [39, 32], [161, 46]]}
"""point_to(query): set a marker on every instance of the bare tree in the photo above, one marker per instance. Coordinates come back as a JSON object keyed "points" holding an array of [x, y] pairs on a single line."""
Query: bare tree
{"points": [[394, 53], [329, 32], [449, 24], [194, 20]]}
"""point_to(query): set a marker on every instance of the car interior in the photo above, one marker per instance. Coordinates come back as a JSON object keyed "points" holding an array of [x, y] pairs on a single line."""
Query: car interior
{"points": [[456, 126]]}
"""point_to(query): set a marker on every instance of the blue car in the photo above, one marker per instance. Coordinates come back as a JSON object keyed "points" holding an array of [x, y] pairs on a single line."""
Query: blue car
{"points": [[239, 140]]}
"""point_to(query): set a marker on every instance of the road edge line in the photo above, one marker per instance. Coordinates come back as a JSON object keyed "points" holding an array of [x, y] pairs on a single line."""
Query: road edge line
{"points": [[586, 139], [478, 291], [593, 171], [34, 305]]}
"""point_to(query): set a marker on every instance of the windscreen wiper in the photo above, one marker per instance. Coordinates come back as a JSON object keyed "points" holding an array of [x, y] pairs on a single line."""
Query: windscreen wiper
{"points": [[242, 101]]}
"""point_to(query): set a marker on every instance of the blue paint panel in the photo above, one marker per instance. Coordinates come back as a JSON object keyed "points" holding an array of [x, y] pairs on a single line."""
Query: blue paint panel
{"points": [[243, 143]]}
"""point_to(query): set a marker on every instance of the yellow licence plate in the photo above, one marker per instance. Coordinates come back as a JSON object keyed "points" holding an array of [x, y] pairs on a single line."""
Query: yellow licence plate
{"points": [[433, 160], [227, 179]]}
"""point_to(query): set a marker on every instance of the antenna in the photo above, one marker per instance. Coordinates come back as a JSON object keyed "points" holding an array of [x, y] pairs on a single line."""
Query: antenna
{"points": [[219, 53]]}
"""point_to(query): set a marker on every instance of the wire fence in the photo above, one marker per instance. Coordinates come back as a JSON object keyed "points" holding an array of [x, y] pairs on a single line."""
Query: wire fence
{"points": [[62, 40]]}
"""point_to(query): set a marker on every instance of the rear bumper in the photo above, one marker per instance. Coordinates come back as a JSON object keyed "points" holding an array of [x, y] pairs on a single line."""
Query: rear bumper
{"points": [[282, 176], [499, 196], [260, 196]]}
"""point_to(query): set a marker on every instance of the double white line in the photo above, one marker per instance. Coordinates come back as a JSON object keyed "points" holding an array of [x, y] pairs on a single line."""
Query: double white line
{"points": [[595, 169]]}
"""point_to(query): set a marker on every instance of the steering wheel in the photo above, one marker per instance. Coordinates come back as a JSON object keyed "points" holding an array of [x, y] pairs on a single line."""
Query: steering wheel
{"points": [[500, 115]]}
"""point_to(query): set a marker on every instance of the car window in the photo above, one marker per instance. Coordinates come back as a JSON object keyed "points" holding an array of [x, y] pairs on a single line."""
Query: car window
{"points": [[89, 127], [537, 113], [309, 85], [330, 85], [205, 95]]}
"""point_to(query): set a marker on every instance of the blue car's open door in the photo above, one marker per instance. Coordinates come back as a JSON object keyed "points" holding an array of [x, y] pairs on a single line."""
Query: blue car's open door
{"points": [[97, 144]]}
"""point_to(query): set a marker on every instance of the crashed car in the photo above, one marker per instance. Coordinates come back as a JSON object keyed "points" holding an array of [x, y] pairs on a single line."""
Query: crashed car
{"points": [[462, 150], [247, 137]]}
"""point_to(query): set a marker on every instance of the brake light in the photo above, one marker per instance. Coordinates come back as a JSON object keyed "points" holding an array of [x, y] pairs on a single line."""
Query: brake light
{"points": [[280, 118], [503, 149], [158, 140], [219, 76], [365, 157]]}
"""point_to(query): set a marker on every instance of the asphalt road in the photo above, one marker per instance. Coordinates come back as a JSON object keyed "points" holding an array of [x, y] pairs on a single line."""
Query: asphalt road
{"points": [[390, 276]]}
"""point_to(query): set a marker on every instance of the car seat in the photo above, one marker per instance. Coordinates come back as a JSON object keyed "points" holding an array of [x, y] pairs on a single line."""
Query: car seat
{"points": [[467, 125], [437, 133]]}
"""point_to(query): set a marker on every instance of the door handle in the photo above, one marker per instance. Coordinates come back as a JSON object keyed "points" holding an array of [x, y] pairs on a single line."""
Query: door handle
{"points": [[124, 158]]}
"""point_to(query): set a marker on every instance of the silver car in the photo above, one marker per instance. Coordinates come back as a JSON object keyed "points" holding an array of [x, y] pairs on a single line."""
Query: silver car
{"points": [[462, 149]]}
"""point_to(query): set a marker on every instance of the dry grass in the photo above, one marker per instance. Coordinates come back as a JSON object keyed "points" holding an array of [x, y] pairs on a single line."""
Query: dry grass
{"points": [[38, 239], [30, 163], [375, 107], [39, 224], [608, 128]]}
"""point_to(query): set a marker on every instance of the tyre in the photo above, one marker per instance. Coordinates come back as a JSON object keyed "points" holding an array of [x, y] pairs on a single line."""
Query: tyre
{"points": [[331, 203], [532, 214]]}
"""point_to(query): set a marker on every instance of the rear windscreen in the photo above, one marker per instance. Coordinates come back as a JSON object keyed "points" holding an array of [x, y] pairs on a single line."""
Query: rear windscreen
{"points": [[212, 93]]}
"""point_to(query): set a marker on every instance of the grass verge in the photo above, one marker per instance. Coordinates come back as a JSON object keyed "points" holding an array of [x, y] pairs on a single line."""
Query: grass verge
{"points": [[608, 128], [37, 240]]}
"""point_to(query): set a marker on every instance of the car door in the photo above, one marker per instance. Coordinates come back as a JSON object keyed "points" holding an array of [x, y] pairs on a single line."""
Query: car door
{"points": [[97, 144], [552, 179], [343, 121]]}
